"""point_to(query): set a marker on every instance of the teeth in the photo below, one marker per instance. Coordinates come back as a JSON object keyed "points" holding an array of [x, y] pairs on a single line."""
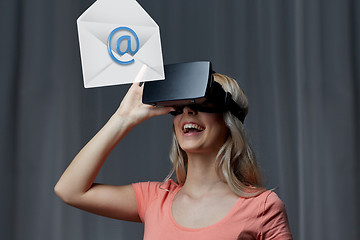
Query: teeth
{"points": [[194, 126]]}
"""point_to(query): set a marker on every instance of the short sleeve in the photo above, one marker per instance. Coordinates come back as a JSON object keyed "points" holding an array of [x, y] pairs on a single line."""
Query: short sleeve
{"points": [[144, 192], [275, 223]]}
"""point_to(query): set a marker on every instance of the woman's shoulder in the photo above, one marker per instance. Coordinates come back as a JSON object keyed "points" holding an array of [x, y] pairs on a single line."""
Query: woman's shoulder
{"points": [[169, 185], [262, 195], [155, 188], [270, 198], [269, 205], [264, 203], [274, 220]]}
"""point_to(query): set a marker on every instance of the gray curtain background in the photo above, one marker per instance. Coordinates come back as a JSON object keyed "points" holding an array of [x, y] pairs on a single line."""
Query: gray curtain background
{"points": [[298, 61]]}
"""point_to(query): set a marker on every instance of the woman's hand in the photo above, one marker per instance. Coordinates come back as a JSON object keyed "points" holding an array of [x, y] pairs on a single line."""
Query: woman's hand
{"points": [[134, 110]]}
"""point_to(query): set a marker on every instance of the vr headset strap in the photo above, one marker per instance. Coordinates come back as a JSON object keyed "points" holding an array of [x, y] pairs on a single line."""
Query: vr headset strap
{"points": [[218, 93], [232, 106]]}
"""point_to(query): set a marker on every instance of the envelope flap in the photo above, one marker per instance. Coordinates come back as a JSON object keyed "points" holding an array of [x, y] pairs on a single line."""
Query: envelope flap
{"points": [[128, 12], [102, 30]]}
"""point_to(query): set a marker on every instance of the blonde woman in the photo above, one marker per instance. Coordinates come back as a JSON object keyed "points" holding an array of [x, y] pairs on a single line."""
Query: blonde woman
{"points": [[218, 192]]}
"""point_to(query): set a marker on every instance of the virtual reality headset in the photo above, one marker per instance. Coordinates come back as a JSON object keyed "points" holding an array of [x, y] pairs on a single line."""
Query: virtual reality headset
{"points": [[191, 84]]}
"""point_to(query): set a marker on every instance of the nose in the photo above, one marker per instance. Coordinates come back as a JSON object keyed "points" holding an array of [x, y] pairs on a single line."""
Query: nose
{"points": [[189, 110]]}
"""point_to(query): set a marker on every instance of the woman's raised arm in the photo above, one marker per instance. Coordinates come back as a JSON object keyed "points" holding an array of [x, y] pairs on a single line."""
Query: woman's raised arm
{"points": [[76, 186]]}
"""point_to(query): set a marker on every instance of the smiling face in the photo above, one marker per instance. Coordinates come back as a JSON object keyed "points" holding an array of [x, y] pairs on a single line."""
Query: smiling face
{"points": [[200, 132]]}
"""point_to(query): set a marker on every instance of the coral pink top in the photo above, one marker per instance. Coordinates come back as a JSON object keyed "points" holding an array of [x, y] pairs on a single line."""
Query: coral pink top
{"points": [[260, 217]]}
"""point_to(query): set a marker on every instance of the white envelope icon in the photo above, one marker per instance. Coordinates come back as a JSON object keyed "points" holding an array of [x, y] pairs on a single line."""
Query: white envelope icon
{"points": [[119, 43]]}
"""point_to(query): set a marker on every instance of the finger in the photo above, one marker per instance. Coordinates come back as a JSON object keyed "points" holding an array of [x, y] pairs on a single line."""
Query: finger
{"points": [[162, 110], [141, 89], [134, 85], [140, 74]]}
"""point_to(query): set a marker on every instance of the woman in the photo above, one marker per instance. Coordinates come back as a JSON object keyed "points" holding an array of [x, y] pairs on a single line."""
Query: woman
{"points": [[218, 194]]}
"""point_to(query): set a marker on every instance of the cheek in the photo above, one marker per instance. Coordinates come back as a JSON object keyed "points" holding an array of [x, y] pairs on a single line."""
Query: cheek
{"points": [[220, 133], [217, 121], [221, 129], [176, 124], [176, 119]]}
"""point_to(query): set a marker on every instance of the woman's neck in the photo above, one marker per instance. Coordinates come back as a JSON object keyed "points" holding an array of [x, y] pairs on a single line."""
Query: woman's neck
{"points": [[201, 178]]}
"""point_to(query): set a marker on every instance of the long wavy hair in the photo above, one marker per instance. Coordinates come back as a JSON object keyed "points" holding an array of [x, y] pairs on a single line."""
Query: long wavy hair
{"points": [[235, 162]]}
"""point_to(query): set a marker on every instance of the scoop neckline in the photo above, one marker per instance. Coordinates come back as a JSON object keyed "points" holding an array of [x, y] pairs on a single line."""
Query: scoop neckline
{"points": [[176, 224]]}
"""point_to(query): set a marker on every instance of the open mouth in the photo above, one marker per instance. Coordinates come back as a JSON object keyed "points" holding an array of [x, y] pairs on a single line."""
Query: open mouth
{"points": [[192, 128]]}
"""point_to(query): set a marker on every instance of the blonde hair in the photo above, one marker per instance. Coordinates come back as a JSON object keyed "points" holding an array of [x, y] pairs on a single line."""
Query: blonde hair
{"points": [[235, 162]]}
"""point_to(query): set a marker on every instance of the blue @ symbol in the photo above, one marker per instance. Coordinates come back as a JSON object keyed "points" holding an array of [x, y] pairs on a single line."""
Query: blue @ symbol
{"points": [[126, 38]]}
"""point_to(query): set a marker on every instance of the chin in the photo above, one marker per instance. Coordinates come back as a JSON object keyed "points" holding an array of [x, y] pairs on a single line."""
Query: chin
{"points": [[193, 149]]}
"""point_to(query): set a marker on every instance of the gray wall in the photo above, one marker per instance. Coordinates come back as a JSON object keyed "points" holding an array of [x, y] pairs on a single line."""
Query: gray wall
{"points": [[298, 62]]}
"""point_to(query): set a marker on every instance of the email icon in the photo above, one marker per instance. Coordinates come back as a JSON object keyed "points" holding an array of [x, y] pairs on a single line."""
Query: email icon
{"points": [[119, 44]]}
